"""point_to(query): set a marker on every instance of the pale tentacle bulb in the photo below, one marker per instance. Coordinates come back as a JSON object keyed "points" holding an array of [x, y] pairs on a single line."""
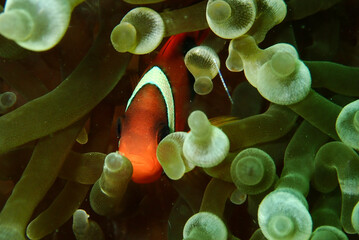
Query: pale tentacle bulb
{"points": [[85, 229], [335, 162], [276, 71], [328, 233], [203, 62], [219, 11], [281, 215], [124, 37], [107, 193], [116, 170], [16, 19], [238, 197], [269, 14], [80, 221], [230, 18], [203, 85], [140, 31], [234, 61], [347, 124], [205, 145], [170, 156], [82, 138], [36, 30], [253, 171], [284, 79], [253, 57], [7, 100], [205, 225]]}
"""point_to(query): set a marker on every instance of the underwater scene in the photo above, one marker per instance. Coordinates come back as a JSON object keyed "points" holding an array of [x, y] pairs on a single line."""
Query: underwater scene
{"points": [[179, 119]]}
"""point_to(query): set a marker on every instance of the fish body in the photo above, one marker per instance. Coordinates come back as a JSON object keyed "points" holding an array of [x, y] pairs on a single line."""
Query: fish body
{"points": [[158, 105]]}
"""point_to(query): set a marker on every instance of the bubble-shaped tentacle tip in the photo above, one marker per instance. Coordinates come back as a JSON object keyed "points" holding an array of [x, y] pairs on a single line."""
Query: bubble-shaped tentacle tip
{"points": [[234, 61], [203, 85], [347, 124], [82, 137], [124, 37], [281, 215], [205, 225], [269, 14], [328, 233], [355, 217], [250, 55], [206, 145], [230, 18], [117, 171], [283, 63], [284, 79], [107, 193], [170, 156], [85, 229], [80, 223], [238, 197], [7, 100], [219, 11], [253, 171], [34, 29], [16, 25], [203, 62], [140, 31]]}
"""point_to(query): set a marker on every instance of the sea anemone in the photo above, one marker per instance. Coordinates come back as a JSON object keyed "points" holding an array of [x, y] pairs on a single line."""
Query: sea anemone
{"points": [[268, 144]]}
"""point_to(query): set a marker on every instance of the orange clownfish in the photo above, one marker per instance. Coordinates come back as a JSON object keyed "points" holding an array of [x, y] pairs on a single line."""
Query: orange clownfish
{"points": [[158, 106]]}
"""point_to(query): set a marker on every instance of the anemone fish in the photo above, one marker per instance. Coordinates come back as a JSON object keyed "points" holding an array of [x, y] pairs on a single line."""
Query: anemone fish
{"points": [[158, 106]]}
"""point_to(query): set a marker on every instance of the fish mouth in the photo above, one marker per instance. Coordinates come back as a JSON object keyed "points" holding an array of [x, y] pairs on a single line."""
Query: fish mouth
{"points": [[134, 158], [145, 170]]}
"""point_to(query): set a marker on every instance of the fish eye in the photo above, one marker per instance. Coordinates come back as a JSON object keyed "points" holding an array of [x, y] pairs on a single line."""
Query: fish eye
{"points": [[118, 127], [162, 133]]}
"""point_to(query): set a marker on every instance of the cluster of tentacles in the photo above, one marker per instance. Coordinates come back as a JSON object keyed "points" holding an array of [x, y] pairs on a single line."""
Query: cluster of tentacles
{"points": [[277, 160]]}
